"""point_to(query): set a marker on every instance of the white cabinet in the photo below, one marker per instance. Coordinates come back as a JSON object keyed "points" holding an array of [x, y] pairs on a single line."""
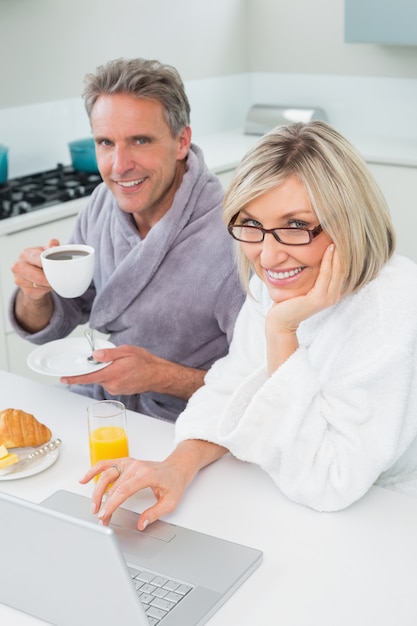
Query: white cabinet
{"points": [[399, 185], [3, 352], [381, 21], [13, 349], [224, 151], [225, 177], [17, 350]]}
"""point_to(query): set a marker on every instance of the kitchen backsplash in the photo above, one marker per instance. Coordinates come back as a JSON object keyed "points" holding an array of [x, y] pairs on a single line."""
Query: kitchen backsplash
{"points": [[360, 107]]}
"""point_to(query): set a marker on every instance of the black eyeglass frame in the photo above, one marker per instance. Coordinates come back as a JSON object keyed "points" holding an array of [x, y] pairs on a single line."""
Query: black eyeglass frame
{"points": [[312, 233]]}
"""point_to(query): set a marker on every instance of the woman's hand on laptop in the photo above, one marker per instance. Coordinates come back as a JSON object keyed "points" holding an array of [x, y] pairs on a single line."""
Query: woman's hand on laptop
{"points": [[121, 478]]}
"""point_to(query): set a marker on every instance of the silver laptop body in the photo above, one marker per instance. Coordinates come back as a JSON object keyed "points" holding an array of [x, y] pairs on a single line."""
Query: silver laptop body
{"points": [[59, 565]]}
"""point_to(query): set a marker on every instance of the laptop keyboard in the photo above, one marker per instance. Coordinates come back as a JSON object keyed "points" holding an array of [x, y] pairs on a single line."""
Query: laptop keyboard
{"points": [[159, 595]]}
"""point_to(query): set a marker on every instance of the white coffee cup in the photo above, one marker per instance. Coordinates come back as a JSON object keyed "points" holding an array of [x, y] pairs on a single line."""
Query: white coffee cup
{"points": [[69, 269]]}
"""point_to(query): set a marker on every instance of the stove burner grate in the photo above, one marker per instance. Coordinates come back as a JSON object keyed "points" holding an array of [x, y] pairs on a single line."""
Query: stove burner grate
{"points": [[38, 191]]}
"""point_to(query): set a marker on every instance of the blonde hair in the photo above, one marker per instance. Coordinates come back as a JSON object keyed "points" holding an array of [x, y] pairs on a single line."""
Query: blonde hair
{"points": [[344, 195]]}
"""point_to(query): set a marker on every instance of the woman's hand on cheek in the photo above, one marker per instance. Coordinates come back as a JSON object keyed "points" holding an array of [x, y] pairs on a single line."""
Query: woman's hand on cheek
{"points": [[328, 287], [284, 317]]}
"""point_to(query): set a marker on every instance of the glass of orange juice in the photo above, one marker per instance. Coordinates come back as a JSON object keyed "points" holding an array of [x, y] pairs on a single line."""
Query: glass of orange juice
{"points": [[107, 431]]}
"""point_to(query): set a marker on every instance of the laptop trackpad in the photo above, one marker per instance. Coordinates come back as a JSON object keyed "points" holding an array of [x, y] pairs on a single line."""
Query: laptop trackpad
{"points": [[128, 520], [79, 506]]}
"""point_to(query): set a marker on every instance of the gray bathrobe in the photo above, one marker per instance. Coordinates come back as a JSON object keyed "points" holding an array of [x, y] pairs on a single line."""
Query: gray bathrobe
{"points": [[175, 293]]}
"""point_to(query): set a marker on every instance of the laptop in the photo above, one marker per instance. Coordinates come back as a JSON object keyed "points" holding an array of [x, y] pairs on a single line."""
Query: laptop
{"points": [[59, 565]]}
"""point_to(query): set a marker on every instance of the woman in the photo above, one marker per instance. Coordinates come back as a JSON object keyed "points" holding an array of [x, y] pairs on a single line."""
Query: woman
{"points": [[320, 383]]}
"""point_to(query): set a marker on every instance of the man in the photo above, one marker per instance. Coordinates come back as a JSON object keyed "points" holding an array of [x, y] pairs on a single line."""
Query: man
{"points": [[165, 287]]}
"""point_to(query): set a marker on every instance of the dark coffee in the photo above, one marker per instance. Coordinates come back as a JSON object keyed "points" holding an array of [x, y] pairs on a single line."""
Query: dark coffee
{"points": [[66, 255]]}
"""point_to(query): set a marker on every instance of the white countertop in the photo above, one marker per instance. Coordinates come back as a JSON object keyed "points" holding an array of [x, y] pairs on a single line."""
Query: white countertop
{"points": [[42, 216], [224, 150], [354, 567], [385, 150]]}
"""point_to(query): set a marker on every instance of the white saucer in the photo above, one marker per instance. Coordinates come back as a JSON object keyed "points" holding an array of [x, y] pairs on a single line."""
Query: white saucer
{"points": [[35, 467], [66, 357]]}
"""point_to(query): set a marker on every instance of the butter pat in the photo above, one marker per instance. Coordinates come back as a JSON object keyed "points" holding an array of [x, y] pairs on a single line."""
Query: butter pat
{"points": [[9, 459]]}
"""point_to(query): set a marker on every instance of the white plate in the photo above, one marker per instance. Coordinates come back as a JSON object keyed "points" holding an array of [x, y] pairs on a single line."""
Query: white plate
{"points": [[66, 357], [35, 467]]}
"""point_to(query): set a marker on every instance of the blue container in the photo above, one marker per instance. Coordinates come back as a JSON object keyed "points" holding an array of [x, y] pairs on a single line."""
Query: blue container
{"points": [[3, 164], [83, 155]]}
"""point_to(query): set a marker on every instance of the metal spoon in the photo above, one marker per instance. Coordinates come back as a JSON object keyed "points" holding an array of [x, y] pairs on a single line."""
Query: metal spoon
{"points": [[89, 335]]}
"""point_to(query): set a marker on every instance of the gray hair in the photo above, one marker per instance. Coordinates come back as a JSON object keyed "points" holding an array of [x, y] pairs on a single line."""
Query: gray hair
{"points": [[141, 78], [343, 193]]}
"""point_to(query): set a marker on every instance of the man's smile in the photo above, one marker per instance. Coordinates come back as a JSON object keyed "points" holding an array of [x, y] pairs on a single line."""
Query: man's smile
{"points": [[129, 183]]}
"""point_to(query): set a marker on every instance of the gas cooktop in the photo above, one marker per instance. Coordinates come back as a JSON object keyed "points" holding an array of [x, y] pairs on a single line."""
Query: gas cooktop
{"points": [[38, 191]]}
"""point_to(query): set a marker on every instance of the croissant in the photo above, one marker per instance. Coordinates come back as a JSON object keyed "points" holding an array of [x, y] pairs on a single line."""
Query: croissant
{"points": [[19, 429]]}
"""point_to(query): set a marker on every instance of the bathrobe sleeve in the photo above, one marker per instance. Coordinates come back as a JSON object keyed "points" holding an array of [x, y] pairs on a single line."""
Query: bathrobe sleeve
{"points": [[336, 414]]}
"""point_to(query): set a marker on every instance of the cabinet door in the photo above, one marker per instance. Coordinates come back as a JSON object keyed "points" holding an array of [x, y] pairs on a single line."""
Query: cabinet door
{"points": [[3, 351], [18, 350], [15, 350], [225, 177], [13, 244], [399, 185], [381, 21]]}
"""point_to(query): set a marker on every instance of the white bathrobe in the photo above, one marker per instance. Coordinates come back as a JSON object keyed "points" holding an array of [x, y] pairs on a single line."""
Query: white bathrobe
{"points": [[340, 414]]}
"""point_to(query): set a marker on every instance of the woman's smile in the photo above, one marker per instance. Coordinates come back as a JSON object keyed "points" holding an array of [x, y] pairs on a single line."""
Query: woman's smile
{"points": [[283, 275]]}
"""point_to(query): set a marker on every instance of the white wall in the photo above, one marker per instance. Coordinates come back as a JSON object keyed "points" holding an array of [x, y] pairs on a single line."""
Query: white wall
{"points": [[47, 46], [230, 53], [37, 135], [297, 55], [363, 108], [307, 37]]}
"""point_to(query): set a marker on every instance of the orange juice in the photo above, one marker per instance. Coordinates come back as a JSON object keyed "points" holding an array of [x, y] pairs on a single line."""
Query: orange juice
{"points": [[108, 442], [107, 431]]}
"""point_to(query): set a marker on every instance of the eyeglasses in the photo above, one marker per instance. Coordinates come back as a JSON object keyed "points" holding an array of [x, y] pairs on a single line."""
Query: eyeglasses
{"points": [[287, 236]]}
